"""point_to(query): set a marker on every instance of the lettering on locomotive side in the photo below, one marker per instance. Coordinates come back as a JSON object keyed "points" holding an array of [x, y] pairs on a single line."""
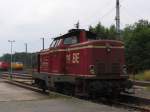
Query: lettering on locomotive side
{"points": [[74, 58], [68, 58]]}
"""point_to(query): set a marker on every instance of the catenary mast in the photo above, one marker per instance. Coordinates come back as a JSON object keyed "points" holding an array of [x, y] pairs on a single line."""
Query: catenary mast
{"points": [[118, 18]]}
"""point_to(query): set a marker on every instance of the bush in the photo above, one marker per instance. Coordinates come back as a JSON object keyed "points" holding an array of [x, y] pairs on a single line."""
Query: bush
{"points": [[147, 75]]}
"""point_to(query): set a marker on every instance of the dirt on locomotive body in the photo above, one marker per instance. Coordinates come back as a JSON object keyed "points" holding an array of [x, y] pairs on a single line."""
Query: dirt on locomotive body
{"points": [[78, 63]]}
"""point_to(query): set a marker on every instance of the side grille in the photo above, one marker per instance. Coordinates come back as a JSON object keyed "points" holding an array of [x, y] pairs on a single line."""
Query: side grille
{"points": [[115, 67], [100, 68]]}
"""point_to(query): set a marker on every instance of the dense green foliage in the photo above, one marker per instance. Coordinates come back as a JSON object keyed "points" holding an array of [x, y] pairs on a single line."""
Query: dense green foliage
{"points": [[137, 43], [103, 32], [28, 59]]}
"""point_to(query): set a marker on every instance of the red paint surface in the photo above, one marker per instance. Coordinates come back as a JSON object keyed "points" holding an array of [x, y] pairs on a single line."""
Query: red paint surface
{"points": [[4, 65], [76, 59]]}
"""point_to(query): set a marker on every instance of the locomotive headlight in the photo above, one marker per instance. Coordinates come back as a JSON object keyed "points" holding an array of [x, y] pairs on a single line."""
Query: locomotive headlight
{"points": [[92, 70], [108, 47], [124, 69]]}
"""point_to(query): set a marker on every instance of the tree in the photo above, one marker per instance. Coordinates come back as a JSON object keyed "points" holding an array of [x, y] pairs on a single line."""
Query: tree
{"points": [[112, 32], [99, 30], [103, 32], [137, 43], [6, 57]]}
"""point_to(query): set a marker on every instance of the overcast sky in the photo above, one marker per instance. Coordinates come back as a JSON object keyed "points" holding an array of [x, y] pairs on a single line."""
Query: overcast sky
{"points": [[26, 21]]}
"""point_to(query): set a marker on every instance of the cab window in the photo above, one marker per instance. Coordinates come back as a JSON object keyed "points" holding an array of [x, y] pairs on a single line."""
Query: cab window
{"points": [[53, 43], [70, 40], [58, 42]]}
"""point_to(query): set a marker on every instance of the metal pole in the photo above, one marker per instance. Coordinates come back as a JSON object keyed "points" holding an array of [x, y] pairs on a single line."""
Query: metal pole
{"points": [[11, 43], [26, 47], [31, 61], [26, 51], [77, 25], [11, 61], [43, 42], [118, 17], [14, 58]]}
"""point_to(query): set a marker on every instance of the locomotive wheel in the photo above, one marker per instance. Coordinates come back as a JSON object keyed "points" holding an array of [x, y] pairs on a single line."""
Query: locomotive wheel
{"points": [[65, 88], [58, 87], [95, 89], [42, 85], [68, 89]]}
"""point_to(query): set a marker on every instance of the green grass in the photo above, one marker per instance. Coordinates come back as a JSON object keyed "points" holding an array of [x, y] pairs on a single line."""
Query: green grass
{"points": [[144, 76], [148, 88]]}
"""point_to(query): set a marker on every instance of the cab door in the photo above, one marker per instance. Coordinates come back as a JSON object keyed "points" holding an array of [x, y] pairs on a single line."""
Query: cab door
{"points": [[57, 58], [71, 55]]}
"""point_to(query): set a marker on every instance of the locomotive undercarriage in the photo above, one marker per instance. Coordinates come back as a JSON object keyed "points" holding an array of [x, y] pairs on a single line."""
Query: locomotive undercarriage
{"points": [[83, 87], [98, 87]]}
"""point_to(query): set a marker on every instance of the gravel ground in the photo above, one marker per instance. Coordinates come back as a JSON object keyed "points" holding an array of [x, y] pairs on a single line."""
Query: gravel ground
{"points": [[16, 99], [143, 92], [56, 105]]}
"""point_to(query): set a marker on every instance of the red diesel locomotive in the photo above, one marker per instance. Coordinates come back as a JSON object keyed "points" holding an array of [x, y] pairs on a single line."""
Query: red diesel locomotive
{"points": [[78, 63], [4, 66]]}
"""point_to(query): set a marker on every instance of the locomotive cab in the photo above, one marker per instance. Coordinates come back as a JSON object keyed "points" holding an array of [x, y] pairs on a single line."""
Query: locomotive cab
{"points": [[74, 36]]}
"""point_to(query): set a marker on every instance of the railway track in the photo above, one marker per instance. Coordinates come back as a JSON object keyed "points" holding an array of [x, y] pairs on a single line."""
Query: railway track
{"points": [[125, 101], [142, 83], [139, 108], [23, 80], [130, 102], [16, 76], [26, 86], [133, 102]]}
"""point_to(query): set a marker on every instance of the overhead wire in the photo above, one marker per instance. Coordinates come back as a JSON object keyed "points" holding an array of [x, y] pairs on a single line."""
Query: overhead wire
{"points": [[135, 14], [110, 11], [107, 4]]}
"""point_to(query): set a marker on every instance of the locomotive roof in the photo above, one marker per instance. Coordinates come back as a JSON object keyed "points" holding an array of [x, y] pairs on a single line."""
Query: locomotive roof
{"points": [[74, 32]]}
